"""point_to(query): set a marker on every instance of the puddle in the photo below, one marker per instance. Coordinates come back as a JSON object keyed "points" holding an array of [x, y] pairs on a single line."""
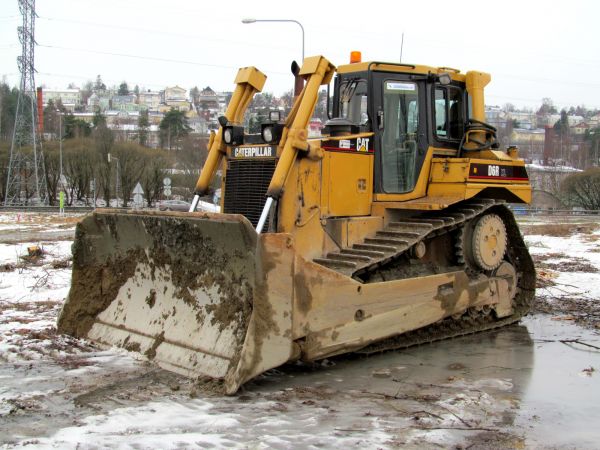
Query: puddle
{"points": [[517, 387], [560, 405], [539, 387]]}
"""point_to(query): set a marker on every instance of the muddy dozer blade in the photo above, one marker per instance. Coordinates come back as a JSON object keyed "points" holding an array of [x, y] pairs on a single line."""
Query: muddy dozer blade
{"points": [[199, 293]]}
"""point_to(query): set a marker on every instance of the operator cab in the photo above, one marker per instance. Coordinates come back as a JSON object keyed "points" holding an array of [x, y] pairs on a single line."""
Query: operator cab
{"points": [[408, 109]]}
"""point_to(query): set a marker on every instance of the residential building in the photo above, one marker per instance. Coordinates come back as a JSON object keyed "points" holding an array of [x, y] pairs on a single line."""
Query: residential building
{"points": [[572, 119], [149, 100], [124, 103], [594, 121], [98, 102], [530, 142], [129, 132], [87, 116], [580, 128], [495, 116], [208, 99], [209, 107], [197, 123], [175, 97], [224, 98], [70, 98]]}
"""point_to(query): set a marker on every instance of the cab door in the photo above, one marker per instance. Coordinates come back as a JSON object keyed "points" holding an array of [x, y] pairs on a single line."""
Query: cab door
{"points": [[400, 131]]}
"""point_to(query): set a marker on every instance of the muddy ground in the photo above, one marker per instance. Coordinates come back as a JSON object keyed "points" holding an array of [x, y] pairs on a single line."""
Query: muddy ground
{"points": [[532, 385], [567, 301]]}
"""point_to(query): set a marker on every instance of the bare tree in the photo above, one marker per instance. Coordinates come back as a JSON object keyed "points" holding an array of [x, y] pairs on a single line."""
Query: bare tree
{"points": [[190, 159], [52, 169], [155, 170], [131, 162], [103, 143], [86, 92], [4, 157], [78, 169], [583, 189]]}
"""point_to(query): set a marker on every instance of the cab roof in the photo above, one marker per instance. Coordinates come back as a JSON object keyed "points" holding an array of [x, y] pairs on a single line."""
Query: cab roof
{"points": [[400, 68]]}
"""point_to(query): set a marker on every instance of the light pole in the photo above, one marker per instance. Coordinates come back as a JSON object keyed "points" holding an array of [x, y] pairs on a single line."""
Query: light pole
{"points": [[248, 21], [61, 184], [60, 147], [297, 88]]}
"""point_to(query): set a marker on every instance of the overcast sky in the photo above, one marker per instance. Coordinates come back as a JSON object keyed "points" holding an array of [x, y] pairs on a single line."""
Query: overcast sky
{"points": [[533, 49]]}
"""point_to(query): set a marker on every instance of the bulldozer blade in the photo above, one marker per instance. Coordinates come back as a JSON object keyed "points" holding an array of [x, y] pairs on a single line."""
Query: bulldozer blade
{"points": [[199, 293]]}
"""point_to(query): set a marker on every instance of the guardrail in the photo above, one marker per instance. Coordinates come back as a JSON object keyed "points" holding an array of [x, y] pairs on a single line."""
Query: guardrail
{"points": [[202, 206], [34, 209], [519, 211]]}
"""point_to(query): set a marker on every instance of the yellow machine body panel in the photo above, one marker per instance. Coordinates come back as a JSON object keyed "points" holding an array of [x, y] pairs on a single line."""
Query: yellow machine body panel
{"points": [[420, 189], [351, 195]]}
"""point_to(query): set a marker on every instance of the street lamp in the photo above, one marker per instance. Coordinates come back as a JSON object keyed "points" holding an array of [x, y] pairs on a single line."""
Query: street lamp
{"points": [[297, 88], [248, 21]]}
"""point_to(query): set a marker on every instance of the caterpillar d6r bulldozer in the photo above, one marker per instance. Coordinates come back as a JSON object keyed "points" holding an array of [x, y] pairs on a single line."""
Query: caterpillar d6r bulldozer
{"points": [[389, 230]]}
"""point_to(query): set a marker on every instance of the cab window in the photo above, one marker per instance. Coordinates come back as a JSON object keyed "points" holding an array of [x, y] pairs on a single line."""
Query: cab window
{"points": [[353, 101], [449, 113]]}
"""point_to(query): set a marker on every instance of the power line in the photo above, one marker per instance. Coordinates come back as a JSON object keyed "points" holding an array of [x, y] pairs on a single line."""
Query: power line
{"points": [[538, 101], [273, 72], [145, 4], [150, 58], [159, 32], [190, 36], [545, 80], [91, 78]]}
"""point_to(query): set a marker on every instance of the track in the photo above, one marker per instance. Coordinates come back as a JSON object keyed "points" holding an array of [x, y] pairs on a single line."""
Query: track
{"points": [[430, 225]]}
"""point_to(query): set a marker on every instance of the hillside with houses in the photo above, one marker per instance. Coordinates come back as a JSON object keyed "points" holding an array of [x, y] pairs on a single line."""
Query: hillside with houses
{"points": [[554, 143], [123, 108]]}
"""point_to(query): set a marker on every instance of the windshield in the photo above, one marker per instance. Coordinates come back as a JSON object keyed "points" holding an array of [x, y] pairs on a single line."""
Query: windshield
{"points": [[353, 101]]}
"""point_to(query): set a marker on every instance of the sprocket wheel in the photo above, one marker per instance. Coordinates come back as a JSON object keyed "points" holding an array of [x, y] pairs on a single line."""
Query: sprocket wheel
{"points": [[489, 241]]}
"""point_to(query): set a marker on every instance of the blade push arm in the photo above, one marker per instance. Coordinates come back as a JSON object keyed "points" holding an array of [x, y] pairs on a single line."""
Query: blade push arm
{"points": [[249, 81], [317, 70]]}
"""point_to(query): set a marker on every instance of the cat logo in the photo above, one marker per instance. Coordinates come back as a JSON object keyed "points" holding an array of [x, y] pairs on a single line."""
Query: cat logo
{"points": [[254, 152], [362, 144]]}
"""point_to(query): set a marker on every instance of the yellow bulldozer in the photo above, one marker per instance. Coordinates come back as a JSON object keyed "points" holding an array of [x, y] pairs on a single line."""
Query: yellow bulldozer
{"points": [[391, 229]]}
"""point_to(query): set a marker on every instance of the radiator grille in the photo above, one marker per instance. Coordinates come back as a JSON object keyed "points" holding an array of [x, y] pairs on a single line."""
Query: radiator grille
{"points": [[246, 184]]}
